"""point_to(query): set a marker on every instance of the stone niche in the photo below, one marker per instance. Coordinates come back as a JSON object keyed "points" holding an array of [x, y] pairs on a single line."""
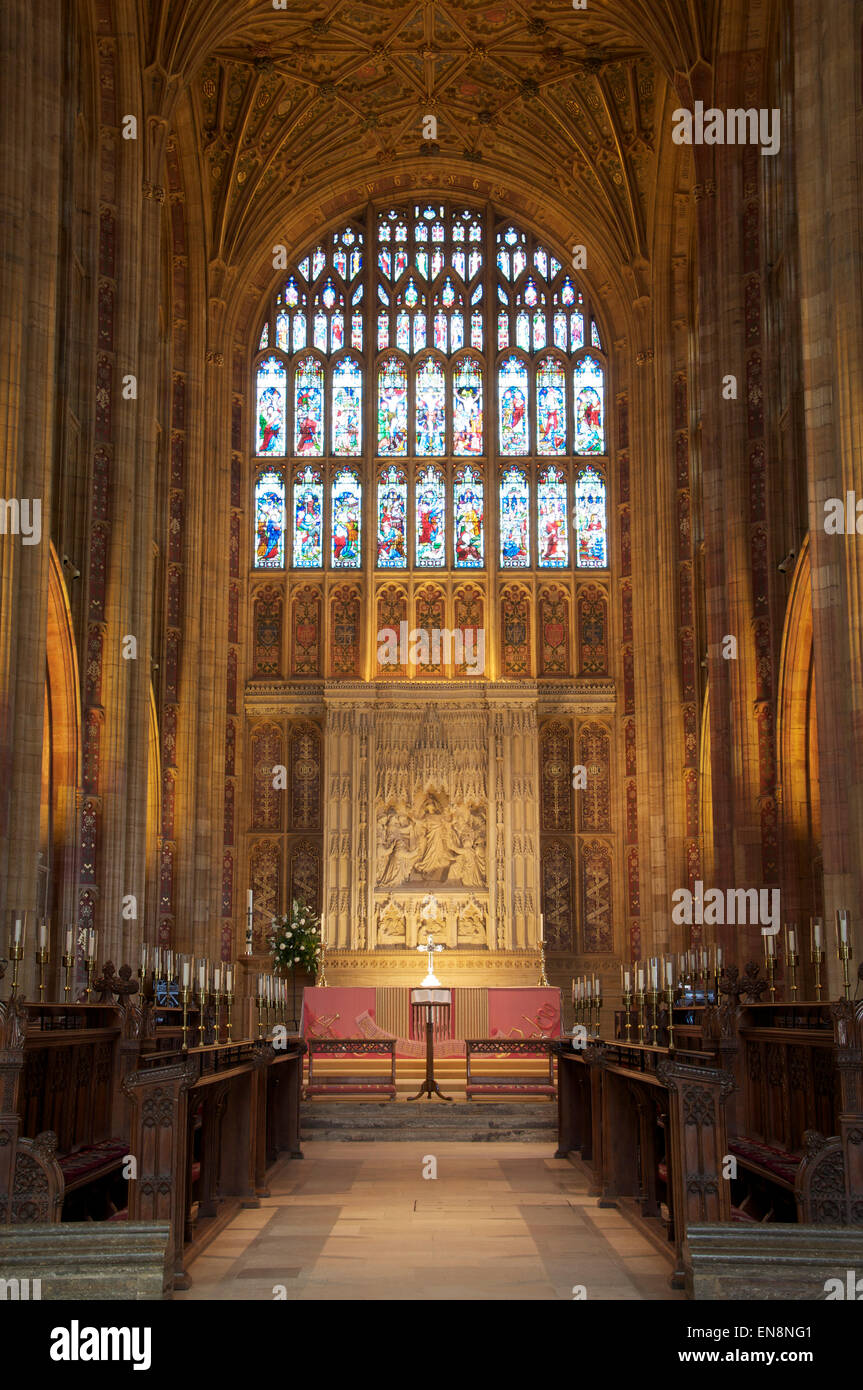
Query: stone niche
{"points": [[431, 819]]}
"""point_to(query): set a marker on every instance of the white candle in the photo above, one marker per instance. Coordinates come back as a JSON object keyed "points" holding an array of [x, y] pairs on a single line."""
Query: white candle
{"points": [[18, 934], [541, 928], [669, 974], [202, 974], [68, 941], [770, 946], [817, 926], [229, 981], [627, 981], [842, 925], [187, 968], [596, 990], [43, 935], [654, 972], [792, 940], [91, 944]]}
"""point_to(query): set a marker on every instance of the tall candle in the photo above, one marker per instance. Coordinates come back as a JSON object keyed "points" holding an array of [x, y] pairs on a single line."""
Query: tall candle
{"points": [[43, 934], [18, 933], [627, 981], [541, 928], [669, 973], [817, 929], [792, 940], [842, 925], [654, 972], [229, 980], [770, 946], [187, 968], [91, 944], [68, 941], [145, 958]]}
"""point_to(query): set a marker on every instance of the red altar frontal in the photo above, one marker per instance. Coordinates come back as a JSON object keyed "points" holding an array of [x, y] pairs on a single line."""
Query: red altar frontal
{"points": [[519, 1013]]}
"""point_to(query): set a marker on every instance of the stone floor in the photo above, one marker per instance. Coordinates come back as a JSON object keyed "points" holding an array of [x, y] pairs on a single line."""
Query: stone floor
{"points": [[503, 1221]]}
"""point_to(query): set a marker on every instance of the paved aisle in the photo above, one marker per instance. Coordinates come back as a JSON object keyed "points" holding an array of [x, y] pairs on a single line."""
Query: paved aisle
{"points": [[502, 1221]]}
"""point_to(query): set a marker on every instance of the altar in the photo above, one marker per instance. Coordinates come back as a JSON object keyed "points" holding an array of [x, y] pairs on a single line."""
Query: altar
{"points": [[364, 1011]]}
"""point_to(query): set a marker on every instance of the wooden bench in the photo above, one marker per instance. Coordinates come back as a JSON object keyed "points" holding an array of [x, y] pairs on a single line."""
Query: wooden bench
{"points": [[335, 1083], [485, 1083]]}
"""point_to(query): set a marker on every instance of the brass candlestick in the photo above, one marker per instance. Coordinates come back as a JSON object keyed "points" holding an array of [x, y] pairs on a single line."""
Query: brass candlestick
{"points": [[793, 961], [16, 955], [543, 980], [640, 998], [42, 956], [818, 961], [229, 1004], [259, 1001], [202, 1001], [598, 1002], [186, 996], [68, 962], [627, 1005], [654, 1027], [669, 995], [771, 977], [322, 977], [91, 970], [845, 956], [217, 1013]]}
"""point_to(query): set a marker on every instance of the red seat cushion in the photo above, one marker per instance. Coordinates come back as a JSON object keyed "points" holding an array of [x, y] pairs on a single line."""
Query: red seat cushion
{"points": [[510, 1088], [350, 1088], [90, 1162], [777, 1162]]}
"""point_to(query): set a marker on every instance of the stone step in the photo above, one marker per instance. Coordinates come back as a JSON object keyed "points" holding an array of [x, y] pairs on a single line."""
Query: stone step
{"points": [[428, 1121]]}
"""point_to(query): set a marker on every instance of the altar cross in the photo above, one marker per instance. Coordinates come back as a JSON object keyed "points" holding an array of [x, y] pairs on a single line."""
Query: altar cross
{"points": [[430, 947]]}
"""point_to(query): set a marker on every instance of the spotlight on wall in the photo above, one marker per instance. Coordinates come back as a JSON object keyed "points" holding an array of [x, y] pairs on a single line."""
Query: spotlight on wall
{"points": [[785, 565], [71, 568]]}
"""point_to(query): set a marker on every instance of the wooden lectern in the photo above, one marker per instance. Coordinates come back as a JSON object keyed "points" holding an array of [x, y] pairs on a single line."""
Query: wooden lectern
{"points": [[436, 1005]]}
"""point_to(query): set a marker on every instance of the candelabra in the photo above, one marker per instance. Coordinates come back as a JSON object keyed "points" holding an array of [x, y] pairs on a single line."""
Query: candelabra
{"points": [[845, 956], [186, 996], [68, 963], [627, 1005], [817, 960]]}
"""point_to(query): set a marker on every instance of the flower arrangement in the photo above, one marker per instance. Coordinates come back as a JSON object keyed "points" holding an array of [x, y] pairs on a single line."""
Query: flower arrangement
{"points": [[295, 941]]}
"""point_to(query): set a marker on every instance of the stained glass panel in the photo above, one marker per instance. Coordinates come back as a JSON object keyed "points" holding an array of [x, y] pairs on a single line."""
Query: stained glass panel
{"points": [[576, 340], [476, 330], [467, 408], [265, 338], [298, 332], [347, 499], [589, 387], [522, 331], [308, 520], [270, 522], [309, 407], [271, 407], [553, 534], [430, 409], [283, 331], [590, 520], [392, 513], [347, 407], [514, 416], [392, 408], [550, 407], [431, 519], [595, 339], [468, 519], [514, 520]]}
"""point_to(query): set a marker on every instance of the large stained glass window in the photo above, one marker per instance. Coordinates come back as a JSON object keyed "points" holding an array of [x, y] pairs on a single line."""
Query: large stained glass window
{"points": [[513, 407], [308, 520], [270, 522], [347, 520], [588, 383], [309, 407], [514, 520], [468, 533], [271, 408], [553, 533], [550, 407], [467, 408], [347, 407], [430, 409], [591, 527], [392, 408], [431, 519], [392, 519]]}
